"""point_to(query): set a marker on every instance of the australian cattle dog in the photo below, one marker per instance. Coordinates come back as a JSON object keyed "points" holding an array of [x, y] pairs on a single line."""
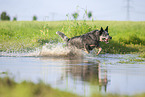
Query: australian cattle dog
{"points": [[88, 41]]}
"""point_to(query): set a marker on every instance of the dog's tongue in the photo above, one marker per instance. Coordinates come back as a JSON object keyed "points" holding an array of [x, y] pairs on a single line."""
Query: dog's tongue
{"points": [[106, 40]]}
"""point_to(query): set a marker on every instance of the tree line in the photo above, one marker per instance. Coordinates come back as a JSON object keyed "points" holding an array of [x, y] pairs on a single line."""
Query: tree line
{"points": [[5, 17]]}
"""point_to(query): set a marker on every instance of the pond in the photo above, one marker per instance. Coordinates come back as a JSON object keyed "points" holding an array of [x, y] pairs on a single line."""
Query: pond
{"points": [[83, 75]]}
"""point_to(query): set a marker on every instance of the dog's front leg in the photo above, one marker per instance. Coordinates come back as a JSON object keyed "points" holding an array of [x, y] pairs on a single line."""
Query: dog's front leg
{"points": [[99, 50]]}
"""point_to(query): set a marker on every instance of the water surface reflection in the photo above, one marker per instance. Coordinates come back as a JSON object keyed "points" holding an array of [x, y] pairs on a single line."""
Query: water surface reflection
{"points": [[78, 75], [83, 76]]}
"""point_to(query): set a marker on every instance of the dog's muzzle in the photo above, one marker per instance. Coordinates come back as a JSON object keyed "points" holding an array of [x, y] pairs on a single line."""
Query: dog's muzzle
{"points": [[107, 39]]}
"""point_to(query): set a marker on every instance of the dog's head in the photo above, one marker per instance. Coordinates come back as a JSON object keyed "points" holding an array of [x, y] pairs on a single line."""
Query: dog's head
{"points": [[104, 35]]}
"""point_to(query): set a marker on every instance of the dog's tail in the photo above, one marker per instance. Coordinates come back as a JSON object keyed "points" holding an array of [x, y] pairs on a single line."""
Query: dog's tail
{"points": [[63, 36]]}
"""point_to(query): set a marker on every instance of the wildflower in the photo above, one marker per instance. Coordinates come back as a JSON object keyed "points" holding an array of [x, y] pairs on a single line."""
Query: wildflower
{"points": [[41, 31]]}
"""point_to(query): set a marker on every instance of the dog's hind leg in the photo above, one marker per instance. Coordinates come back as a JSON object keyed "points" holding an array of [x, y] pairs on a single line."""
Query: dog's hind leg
{"points": [[86, 49]]}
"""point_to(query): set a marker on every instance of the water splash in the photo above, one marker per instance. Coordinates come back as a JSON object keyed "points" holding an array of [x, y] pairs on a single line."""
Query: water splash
{"points": [[59, 50], [48, 50]]}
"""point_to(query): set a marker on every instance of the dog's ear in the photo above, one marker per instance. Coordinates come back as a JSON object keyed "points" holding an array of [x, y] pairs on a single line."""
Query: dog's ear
{"points": [[101, 30], [106, 29]]}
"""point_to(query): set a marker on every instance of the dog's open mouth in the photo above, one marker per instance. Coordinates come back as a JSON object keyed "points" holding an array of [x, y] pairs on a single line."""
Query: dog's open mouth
{"points": [[106, 40]]}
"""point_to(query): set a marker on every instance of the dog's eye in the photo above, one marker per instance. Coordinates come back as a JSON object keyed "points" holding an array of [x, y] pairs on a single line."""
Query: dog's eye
{"points": [[107, 33]]}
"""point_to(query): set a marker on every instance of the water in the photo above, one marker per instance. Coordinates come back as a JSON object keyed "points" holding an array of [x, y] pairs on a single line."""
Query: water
{"points": [[82, 74]]}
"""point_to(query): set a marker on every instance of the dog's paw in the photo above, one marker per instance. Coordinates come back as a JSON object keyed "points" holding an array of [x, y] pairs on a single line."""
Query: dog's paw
{"points": [[86, 52], [97, 54]]}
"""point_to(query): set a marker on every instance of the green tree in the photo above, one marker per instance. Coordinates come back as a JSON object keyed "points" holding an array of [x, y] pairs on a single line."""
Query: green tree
{"points": [[89, 15], [4, 16], [34, 18], [15, 19], [75, 15]]}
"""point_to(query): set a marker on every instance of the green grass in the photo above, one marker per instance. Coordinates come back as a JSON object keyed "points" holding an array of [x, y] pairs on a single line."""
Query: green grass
{"points": [[26, 35], [128, 37], [9, 88], [132, 61]]}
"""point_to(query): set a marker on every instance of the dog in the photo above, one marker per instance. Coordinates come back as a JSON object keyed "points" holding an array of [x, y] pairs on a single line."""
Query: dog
{"points": [[88, 41]]}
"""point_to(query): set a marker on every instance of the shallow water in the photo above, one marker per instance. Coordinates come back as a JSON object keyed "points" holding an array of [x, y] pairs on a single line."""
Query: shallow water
{"points": [[81, 75]]}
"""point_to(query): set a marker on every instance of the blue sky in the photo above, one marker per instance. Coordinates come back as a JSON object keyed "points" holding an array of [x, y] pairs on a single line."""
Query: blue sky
{"points": [[50, 10]]}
